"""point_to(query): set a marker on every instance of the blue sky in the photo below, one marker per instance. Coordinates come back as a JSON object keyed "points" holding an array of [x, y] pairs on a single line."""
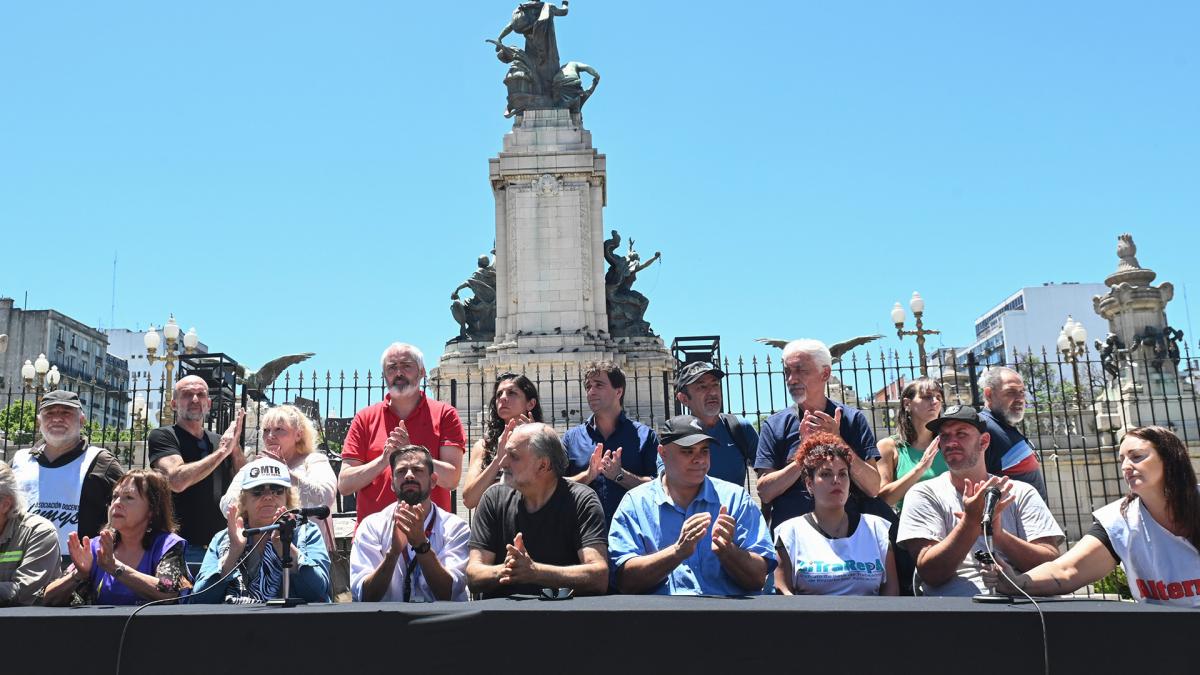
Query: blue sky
{"points": [[291, 176]]}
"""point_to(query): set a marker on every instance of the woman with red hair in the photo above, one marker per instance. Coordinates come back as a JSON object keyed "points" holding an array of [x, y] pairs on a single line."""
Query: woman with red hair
{"points": [[830, 551]]}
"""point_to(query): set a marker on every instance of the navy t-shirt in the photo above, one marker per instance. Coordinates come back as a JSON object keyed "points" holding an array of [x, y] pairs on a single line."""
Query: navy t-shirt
{"points": [[639, 452], [778, 440], [726, 460]]}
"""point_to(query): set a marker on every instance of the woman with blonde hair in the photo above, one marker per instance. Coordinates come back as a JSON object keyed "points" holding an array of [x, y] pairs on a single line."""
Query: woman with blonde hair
{"points": [[289, 436]]}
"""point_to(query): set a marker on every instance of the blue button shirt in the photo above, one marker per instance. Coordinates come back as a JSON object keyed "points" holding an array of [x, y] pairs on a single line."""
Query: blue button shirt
{"points": [[648, 521], [639, 451], [779, 439], [726, 459]]}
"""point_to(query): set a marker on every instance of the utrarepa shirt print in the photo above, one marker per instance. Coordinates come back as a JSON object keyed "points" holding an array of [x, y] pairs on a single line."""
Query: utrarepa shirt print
{"points": [[54, 493], [1162, 568], [852, 565]]}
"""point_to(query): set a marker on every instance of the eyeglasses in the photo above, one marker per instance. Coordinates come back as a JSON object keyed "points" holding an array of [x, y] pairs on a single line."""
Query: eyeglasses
{"points": [[260, 490]]}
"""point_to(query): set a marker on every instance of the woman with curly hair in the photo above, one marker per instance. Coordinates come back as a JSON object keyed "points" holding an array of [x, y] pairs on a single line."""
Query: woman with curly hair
{"points": [[1154, 532], [136, 558], [514, 402], [830, 551]]}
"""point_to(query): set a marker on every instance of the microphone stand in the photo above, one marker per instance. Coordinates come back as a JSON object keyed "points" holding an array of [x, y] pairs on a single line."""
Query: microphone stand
{"points": [[287, 531], [991, 597]]}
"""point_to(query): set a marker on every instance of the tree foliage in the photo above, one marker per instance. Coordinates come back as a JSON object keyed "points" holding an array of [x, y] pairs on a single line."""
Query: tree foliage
{"points": [[19, 422]]}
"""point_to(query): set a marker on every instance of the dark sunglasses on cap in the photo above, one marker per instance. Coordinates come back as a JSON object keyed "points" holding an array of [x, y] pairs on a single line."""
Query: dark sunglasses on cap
{"points": [[260, 490]]}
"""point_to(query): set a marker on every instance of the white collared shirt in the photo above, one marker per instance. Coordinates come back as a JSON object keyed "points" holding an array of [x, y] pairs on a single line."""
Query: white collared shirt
{"points": [[448, 540]]}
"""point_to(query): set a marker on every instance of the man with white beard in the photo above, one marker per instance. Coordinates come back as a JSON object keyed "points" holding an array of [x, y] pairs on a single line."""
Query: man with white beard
{"points": [[1010, 453], [65, 479], [807, 366], [404, 417]]}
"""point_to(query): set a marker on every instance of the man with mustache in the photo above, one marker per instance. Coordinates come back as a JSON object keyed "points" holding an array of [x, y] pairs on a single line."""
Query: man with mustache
{"points": [[65, 479], [941, 525], [698, 386], [431, 542], [807, 367], [540, 531], [199, 464], [1010, 453], [405, 416], [610, 452]]}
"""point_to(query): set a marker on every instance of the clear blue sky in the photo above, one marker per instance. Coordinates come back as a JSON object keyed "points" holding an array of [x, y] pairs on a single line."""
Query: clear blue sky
{"points": [[299, 175]]}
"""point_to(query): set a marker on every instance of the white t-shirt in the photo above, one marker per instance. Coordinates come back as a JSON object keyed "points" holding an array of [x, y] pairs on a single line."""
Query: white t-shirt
{"points": [[1162, 568], [854, 565], [929, 510]]}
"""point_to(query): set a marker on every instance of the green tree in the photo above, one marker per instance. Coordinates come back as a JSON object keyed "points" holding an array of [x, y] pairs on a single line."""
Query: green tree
{"points": [[19, 422]]}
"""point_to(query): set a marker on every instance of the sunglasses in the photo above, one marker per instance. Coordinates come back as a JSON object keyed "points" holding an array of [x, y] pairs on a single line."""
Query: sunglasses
{"points": [[260, 490]]}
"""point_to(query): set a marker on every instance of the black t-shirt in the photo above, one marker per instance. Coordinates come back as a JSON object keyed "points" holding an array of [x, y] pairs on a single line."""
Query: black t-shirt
{"points": [[1100, 533], [573, 519], [198, 508], [96, 491]]}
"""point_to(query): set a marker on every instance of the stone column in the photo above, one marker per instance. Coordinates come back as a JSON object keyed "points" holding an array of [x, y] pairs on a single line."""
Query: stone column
{"points": [[549, 184]]}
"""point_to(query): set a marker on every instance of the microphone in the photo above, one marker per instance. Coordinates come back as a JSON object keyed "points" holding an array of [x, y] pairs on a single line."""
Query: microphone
{"points": [[312, 512], [990, 498]]}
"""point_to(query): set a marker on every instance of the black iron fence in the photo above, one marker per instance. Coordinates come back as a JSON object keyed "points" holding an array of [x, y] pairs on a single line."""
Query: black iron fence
{"points": [[1076, 415]]}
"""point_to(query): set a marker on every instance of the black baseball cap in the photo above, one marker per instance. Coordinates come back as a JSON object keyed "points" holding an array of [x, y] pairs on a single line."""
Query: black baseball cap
{"points": [[683, 430], [693, 371], [957, 413], [60, 397]]}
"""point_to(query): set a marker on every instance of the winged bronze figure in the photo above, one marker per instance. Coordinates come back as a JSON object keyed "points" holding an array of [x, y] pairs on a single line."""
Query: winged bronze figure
{"points": [[257, 381], [837, 350]]}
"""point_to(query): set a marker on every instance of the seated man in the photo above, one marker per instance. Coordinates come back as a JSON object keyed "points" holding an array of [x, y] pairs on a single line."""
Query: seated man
{"points": [[941, 521], [686, 533], [541, 531], [29, 558], [432, 542]]}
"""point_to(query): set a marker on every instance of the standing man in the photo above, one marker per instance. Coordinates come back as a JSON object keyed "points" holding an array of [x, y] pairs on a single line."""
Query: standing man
{"points": [[941, 525], [431, 542], [686, 533], [807, 366], [540, 530], [65, 479], [1010, 453], [405, 416], [199, 464], [610, 452], [734, 442]]}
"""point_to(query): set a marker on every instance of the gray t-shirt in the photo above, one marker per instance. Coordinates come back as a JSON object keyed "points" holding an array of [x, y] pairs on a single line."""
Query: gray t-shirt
{"points": [[929, 510]]}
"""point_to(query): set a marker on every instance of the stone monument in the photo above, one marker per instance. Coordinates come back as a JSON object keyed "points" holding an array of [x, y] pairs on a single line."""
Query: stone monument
{"points": [[563, 297], [1141, 353]]}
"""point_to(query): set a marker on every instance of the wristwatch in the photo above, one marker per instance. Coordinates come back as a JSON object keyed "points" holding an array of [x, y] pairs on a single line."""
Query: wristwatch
{"points": [[620, 476], [423, 548], [119, 570]]}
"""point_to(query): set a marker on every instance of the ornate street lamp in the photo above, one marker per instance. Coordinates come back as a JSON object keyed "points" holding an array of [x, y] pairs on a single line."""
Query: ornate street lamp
{"points": [[41, 376], [170, 356], [1072, 344], [917, 304]]}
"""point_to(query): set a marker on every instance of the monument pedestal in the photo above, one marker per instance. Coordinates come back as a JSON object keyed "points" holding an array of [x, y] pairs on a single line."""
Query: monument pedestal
{"points": [[549, 185]]}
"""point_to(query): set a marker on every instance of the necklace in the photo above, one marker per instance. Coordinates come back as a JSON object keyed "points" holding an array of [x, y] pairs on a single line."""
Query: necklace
{"points": [[841, 526]]}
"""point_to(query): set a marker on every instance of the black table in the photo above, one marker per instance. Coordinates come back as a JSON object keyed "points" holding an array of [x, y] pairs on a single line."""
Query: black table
{"points": [[615, 634]]}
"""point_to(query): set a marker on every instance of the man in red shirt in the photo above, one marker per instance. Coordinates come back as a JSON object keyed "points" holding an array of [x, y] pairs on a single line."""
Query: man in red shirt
{"points": [[404, 416]]}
